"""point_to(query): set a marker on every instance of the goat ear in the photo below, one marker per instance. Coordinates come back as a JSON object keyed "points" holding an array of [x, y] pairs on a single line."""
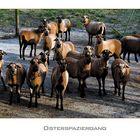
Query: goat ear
{"points": [[56, 39], [87, 17], [110, 52], [57, 17], [47, 53], [62, 39], [8, 65], [31, 61], [126, 66], [44, 20], [41, 53], [4, 53]]}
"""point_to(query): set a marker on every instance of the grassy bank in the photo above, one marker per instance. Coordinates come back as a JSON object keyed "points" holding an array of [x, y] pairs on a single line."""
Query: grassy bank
{"points": [[117, 18]]}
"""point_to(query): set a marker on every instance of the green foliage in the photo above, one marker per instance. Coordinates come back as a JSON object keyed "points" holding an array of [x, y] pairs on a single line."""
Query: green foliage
{"points": [[33, 17]]}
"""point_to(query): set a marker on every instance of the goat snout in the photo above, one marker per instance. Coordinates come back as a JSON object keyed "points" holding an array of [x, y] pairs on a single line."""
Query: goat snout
{"points": [[13, 71], [35, 68]]}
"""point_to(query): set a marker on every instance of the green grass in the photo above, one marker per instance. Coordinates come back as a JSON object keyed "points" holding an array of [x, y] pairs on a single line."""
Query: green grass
{"points": [[32, 17]]}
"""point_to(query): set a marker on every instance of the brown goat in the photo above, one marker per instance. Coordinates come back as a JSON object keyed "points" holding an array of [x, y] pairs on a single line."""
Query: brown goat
{"points": [[49, 43], [30, 38], [62, 48], [113, 45], [15, 76], [130, 44], [1, 67], [59, 80], [120, 74], [93, 28], [51, 26], [99, 69], [80, 68], [43, 57], [35, 78], [64, 26]]}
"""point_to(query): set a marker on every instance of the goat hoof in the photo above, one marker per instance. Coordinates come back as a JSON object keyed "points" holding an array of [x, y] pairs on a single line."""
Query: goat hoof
{"points": [[29, 106], [99, 94], [82, 95], [5, 89], [56, 107], [105, 93], [10, 103], [61, 109]]}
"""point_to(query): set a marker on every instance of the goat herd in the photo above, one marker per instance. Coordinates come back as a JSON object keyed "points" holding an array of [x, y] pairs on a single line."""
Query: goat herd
{"points": [[93, 61]]}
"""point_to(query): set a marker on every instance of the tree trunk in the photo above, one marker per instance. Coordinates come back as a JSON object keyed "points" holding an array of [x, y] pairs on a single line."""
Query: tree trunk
{"points": [[17, 22]]}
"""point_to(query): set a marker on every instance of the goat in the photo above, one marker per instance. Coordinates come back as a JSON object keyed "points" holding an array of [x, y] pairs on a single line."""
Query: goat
{"points": [[30, 38], [35, 78], [51, 26], [80, 68], [64, 26], [99, 69], [43, 57], [49, 43], [15, 76], [93, 28], [120, 73], [62, 48], [1, 67], [130, 44], [113, 45], [59, 80]]}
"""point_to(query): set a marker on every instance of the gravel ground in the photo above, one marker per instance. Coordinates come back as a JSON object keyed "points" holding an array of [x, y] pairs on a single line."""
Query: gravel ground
{"points": [[91, 106]]}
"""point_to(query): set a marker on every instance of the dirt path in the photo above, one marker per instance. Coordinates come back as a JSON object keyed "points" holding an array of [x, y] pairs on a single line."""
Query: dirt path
{"points": [[92, 106]]}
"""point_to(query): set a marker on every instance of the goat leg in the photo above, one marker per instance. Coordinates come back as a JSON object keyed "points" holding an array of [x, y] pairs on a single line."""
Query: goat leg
{"points": [[103, 82], [20, 50], [11, 95], [99, 83], [23, 51], [119, 90], [124, 54], [128, 58], [69, 34], [66, 36], [31, 50], [2, 79], [61, 97], [30, 103], [136, 59], [36, 94], [89, 39], [52, 89], [18, 93], [57, 101], [34, 49], [123, 98]]}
